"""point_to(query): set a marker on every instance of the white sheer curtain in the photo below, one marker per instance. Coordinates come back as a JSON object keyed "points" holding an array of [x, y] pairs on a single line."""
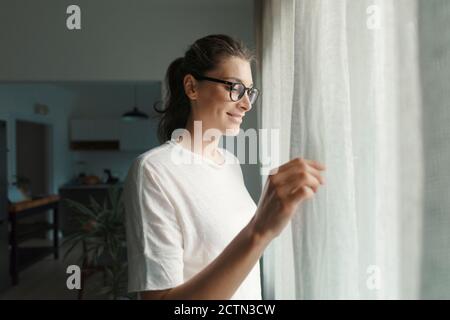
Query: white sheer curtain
{"points": [[340, 82]]}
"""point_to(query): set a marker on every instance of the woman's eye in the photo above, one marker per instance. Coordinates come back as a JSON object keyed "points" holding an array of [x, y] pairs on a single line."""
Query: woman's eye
{"points": [[236, 88]]}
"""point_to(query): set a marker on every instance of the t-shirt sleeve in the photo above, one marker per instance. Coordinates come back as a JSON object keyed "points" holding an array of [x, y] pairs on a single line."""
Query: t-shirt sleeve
{"points": [[154, 236]]}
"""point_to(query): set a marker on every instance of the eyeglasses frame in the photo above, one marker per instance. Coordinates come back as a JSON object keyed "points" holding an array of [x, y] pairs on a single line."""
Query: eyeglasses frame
{"points": [[231, 84]]}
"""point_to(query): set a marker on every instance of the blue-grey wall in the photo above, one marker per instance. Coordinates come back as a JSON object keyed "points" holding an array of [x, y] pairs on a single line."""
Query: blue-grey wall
{"points": [[118, 40], [110, 101], [67, 101], [434, 37], [17, 103]]}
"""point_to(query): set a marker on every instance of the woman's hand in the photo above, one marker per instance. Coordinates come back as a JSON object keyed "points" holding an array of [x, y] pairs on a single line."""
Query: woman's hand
{"points": [[286, 187]]}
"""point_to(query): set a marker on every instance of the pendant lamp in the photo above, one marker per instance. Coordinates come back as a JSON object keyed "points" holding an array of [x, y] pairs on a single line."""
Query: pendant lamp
{"points": [[135, 113]]}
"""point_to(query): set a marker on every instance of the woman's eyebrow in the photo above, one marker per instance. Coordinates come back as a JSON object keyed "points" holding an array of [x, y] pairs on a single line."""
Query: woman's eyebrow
{"points": [[237, 79]]}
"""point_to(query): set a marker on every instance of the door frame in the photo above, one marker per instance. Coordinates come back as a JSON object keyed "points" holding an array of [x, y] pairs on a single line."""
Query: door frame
{"points": [[11, 118]]}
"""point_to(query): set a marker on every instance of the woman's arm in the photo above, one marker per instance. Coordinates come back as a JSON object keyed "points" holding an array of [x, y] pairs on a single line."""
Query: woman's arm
{"points": [[221, 278], [293, 182]]}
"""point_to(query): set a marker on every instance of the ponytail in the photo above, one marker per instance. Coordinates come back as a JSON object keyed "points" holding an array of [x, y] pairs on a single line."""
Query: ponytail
{"points": [[177, 105]]}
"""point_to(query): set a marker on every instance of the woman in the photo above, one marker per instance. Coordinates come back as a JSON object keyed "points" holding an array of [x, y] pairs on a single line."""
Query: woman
{"points": [[193, 231]]}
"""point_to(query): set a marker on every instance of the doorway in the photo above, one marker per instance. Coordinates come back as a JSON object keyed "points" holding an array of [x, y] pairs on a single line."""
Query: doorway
{"points": [[32, 157], [32, 168]]}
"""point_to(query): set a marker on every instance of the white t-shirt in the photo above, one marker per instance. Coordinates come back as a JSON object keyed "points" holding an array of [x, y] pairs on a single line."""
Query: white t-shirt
{"points": [[182, 210]]}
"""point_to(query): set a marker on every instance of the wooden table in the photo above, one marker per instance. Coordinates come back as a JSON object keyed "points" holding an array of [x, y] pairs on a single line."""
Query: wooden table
{"points": [[24, 209]]}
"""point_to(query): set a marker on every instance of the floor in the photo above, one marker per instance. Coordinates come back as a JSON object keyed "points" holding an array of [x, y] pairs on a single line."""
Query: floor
{"points": [[47, 280]]}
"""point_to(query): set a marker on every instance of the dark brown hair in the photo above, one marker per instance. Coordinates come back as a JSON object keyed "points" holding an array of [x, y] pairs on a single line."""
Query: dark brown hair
{"points": [[202, 56]]}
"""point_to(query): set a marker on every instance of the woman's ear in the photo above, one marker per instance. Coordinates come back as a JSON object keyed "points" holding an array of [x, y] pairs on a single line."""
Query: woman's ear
{"points": [[190, 86]]}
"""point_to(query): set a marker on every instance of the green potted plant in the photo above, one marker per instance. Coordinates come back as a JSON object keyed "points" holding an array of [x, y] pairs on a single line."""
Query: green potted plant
{"points": [[101, 234]]}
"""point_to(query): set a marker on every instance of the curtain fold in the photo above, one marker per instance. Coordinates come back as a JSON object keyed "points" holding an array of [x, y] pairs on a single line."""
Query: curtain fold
{"points": [[278, 46], [341, 85]]}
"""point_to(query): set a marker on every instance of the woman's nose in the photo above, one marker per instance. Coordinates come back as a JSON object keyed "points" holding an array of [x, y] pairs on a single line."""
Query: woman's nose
{"points": [[244, 103]]}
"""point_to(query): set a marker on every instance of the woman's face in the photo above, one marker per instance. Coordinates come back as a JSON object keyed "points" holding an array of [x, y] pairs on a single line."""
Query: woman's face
{"points": [[211, 102]]}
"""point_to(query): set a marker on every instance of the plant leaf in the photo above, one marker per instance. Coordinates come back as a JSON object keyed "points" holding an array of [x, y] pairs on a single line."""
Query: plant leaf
{"points": [[81, 208]]}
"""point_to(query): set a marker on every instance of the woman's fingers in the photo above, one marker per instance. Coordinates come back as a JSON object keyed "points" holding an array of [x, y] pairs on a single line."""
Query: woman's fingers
{"points": [[298, 180], [316, 173], [299, 162], [303, 192], [306, 179], [294, 170], [286, 186], [315, 164]]}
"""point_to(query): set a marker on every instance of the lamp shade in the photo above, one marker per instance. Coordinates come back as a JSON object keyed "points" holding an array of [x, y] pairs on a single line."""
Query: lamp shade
{"points": [[134, 114]]}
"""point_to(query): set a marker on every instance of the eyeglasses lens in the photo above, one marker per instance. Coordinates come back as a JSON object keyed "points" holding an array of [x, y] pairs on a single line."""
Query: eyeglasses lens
{"points": [[238, 91]]}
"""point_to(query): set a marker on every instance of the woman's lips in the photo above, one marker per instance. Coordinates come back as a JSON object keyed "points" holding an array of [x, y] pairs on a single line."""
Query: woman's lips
{"points": [[235, 117]]}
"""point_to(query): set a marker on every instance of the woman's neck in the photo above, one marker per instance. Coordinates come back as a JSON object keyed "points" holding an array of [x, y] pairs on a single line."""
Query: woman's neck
{"points": [[194, 139]]}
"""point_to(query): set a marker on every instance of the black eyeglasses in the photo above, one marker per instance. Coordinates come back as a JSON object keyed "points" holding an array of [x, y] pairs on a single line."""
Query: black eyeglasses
{"points": [[237, 89]]}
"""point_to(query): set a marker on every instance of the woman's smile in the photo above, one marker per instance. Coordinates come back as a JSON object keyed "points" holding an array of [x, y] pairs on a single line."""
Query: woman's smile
{"points": [[235, 117]]}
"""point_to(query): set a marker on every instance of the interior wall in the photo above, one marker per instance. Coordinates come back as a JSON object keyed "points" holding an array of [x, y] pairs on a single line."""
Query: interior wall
{"points": [[118, 40]]}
